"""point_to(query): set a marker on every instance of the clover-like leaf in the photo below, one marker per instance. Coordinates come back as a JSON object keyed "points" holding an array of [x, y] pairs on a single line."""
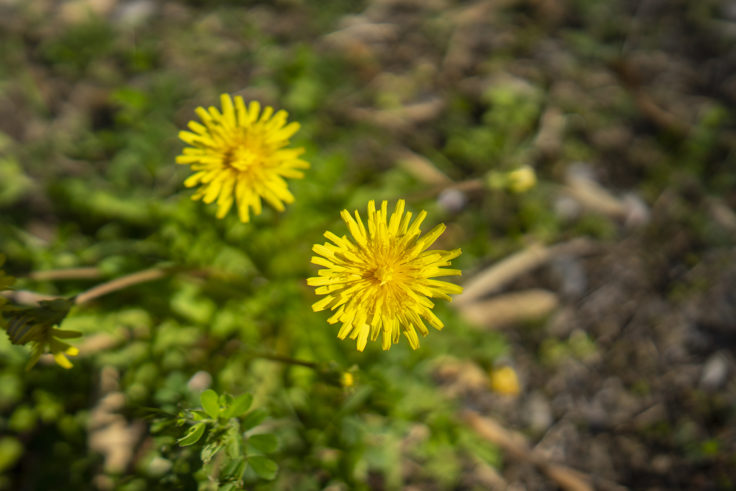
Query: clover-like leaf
{"points": [[263, 442], [193, 435], [254, 418], [240, 405], [210, 403], [263, 467]]}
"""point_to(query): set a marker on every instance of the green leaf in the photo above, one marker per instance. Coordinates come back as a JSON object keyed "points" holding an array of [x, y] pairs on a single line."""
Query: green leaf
{"points": [[233, 469], [254, 418], [193, 435], [210, 403], [209, 451], [264, 442], [10, 451], [239, 406], [263, 466], [232, 441], [225, 400]]}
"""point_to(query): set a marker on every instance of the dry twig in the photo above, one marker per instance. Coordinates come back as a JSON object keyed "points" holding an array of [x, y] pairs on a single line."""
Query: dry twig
{"points": [[517, 446]]}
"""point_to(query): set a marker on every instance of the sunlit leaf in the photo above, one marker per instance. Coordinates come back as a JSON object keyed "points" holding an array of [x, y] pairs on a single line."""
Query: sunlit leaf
{"points": [[264, 442], [193, 435], [239, 406], [254, 418], [210, 403], [263, 466]]}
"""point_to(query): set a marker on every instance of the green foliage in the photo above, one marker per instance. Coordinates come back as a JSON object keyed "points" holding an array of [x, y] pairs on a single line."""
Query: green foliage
{"points": [[503, 138], [221, 433]]}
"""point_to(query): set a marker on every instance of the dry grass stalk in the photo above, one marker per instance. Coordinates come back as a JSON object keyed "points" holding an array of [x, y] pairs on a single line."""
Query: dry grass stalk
{"points": [[517, 446], [510, 308], [421, 168], [503, 272]]}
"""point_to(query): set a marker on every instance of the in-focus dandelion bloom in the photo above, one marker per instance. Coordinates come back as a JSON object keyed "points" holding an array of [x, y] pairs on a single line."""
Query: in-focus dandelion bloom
{"points": [[239, 157], [381, 282]]}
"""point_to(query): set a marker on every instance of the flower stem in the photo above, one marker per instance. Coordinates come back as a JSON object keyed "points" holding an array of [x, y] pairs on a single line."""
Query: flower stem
{"points": [[122, 282], [286, 360]]}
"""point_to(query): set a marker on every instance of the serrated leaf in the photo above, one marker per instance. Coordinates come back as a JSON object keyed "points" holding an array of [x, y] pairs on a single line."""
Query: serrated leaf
{"points": [[209, 451], [233, 469], [193, 435], [240, 405], [264, 467], [225, 400], [264, 442], [210, 403], [254, 418], [232, 442]]}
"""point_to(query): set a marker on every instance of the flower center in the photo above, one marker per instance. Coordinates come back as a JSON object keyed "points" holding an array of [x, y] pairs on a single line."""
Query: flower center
{"points": [[245, 152], [383, 275]]}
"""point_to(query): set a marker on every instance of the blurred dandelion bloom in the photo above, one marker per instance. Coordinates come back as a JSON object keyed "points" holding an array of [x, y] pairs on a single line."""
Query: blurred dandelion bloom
{"points": [[239, 156], [36, 326], [381, 281]]}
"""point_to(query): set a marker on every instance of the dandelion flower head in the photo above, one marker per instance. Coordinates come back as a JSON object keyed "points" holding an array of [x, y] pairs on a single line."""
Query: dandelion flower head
{"points": [[239, 157], [380, 282]]}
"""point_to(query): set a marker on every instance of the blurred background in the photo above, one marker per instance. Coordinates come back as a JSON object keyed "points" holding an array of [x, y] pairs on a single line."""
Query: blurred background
{"points": [[582, 154]]}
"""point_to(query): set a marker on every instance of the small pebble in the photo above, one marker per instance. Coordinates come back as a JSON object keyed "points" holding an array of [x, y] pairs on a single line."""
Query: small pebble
{"points": [[538, 413], [715, 371], [200, 381], [452, 200]]}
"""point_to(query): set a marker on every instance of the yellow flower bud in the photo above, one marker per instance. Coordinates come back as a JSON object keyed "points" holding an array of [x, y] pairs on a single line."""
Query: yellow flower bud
{"points": [[522, 179], [347, 380], [504, 381]]}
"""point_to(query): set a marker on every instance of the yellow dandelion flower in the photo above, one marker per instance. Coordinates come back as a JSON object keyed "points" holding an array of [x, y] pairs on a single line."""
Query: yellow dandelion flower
{"points": [[239, 157], [381, 282]]}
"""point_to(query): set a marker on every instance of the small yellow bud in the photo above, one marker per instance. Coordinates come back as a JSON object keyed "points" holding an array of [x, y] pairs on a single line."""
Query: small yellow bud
{"points": [[347, 380], [504, 381], [522, 179]]}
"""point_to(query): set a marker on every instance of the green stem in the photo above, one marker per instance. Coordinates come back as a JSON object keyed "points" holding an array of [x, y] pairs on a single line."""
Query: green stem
{"points": [[286, 360]]}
